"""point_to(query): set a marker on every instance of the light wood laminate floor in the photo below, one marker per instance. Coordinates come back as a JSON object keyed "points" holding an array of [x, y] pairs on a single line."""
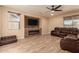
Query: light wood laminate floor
{"points": [[34, 44]]}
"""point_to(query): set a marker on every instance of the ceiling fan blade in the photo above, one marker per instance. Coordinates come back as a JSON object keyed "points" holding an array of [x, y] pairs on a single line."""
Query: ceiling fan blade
{"points": [[58, 7], [57, 10], [48, 8]]}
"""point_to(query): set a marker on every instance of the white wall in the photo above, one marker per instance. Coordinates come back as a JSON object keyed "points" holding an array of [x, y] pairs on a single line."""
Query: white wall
{"points": [[55, 22], [0, 21], [44, 26]]}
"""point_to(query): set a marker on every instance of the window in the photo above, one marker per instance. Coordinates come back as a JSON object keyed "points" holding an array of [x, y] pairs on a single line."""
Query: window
{"points": [[71, 21], [13, 21], [68, 22]]}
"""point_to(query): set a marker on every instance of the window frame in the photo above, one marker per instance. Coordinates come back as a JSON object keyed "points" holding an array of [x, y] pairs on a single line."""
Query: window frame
{"points": [[12, 22], [72, 18]]}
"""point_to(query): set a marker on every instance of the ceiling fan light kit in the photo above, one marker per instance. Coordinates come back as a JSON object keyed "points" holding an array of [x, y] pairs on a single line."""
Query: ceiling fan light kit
{"points": [[52, 11], [51, 14]]}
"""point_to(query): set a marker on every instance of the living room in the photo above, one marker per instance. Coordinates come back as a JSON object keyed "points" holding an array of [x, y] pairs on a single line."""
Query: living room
{"points": [[38, 35]]}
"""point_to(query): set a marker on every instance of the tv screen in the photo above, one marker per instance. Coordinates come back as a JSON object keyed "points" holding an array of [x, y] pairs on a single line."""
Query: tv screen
{"points": [[33, 22]]}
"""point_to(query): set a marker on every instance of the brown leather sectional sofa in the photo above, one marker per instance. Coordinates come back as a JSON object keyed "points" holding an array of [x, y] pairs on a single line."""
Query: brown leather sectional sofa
{"points": [[70, 45], [62, 32], [70, 40], [7, 40]]}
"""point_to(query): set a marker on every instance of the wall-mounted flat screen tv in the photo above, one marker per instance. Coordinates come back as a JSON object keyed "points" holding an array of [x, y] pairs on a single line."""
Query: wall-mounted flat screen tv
{"points": [[33, 22]]}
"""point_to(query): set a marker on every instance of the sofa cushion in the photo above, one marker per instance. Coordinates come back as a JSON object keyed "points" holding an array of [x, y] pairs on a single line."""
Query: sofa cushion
{"points": [[71, 36]]}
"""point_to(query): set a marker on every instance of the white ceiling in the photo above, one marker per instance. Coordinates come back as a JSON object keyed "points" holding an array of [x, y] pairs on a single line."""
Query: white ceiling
{"points": [[41, 10]]}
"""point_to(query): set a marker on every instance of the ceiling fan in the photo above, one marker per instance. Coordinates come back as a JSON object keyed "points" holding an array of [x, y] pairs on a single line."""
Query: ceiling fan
{"points": [[54, 8]]}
